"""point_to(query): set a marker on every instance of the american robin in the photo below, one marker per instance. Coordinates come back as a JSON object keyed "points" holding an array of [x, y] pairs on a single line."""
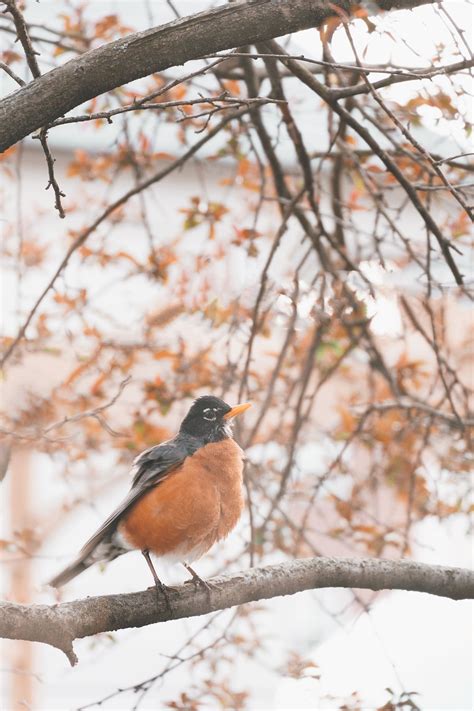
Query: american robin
{"points": [[186, 495]]}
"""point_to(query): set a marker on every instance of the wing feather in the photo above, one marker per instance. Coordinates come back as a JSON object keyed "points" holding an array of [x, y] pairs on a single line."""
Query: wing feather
{"points": [[151, 468]]}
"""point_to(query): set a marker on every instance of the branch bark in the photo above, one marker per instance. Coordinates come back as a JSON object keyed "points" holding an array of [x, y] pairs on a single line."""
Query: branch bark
{"points": [[228, 26], [59, 625]]}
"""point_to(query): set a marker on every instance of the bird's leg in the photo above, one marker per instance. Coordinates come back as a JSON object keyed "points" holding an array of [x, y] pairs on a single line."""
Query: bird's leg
{"points": [[199, 581], [158, 584]]}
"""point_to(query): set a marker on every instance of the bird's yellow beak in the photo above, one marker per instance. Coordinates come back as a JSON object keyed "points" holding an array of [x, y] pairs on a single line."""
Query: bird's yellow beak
{"points": [[237, 410]]}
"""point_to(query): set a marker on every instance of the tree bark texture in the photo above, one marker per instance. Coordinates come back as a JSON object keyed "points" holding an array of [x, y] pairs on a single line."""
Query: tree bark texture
{"points": [[59, 625], [232, 25]]}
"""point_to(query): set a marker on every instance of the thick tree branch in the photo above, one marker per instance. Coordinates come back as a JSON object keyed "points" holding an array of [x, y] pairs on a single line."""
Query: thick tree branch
{"points": [[228, 26], [60, 625]]}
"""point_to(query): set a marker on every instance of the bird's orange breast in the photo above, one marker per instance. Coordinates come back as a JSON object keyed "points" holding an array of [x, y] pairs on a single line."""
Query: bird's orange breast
{"points": [[197, 505]]}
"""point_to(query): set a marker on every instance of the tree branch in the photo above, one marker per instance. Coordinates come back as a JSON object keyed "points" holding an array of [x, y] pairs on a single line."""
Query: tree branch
{"points": [[60, 625], [100, 70], [321, 90], [85, 234]]}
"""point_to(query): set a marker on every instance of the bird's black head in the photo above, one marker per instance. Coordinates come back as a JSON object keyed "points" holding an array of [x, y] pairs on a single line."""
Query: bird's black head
{"points": [[210, 418]]}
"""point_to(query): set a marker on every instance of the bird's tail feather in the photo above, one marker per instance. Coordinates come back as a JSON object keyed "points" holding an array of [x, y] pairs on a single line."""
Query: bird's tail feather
{"points": [[76, 568], [94, 551]]}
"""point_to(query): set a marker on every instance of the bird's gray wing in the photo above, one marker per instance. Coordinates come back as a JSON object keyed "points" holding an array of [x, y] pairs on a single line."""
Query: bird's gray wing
{"points": [[151, 467]]}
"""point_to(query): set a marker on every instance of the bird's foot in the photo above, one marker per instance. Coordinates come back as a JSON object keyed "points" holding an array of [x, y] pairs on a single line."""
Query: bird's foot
{"points": [[206, 584], [197, 581], [160, 588], [162, 591]]}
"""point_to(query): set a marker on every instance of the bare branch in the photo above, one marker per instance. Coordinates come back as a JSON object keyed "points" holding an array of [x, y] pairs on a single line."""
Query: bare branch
{"points": [[23, 37], [397, 77], [307, 78], [6, 68], [52, 182], [60, 625], [83, 235], [143, 53], [30, 53]]}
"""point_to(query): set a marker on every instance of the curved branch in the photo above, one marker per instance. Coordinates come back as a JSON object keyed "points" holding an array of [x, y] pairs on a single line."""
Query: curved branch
{"points": [[228, 26], [60, 625]]}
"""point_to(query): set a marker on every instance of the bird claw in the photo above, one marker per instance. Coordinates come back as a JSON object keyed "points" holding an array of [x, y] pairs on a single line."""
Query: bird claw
{"points": [[199, 582], [210, 586]]}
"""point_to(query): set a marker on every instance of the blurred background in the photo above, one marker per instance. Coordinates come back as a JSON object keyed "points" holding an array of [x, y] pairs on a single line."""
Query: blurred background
{"points": [[235, 235]]}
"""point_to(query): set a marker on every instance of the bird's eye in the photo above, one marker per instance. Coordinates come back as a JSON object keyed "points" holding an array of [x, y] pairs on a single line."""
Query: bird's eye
{"points": [[210, 414]]}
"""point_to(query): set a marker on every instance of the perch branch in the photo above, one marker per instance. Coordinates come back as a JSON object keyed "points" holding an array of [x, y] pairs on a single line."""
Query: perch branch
{"points": [[59, 625]]}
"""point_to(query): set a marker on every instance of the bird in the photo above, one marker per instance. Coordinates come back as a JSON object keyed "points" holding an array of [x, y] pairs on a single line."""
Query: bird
{"points": [[186, 495]]}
